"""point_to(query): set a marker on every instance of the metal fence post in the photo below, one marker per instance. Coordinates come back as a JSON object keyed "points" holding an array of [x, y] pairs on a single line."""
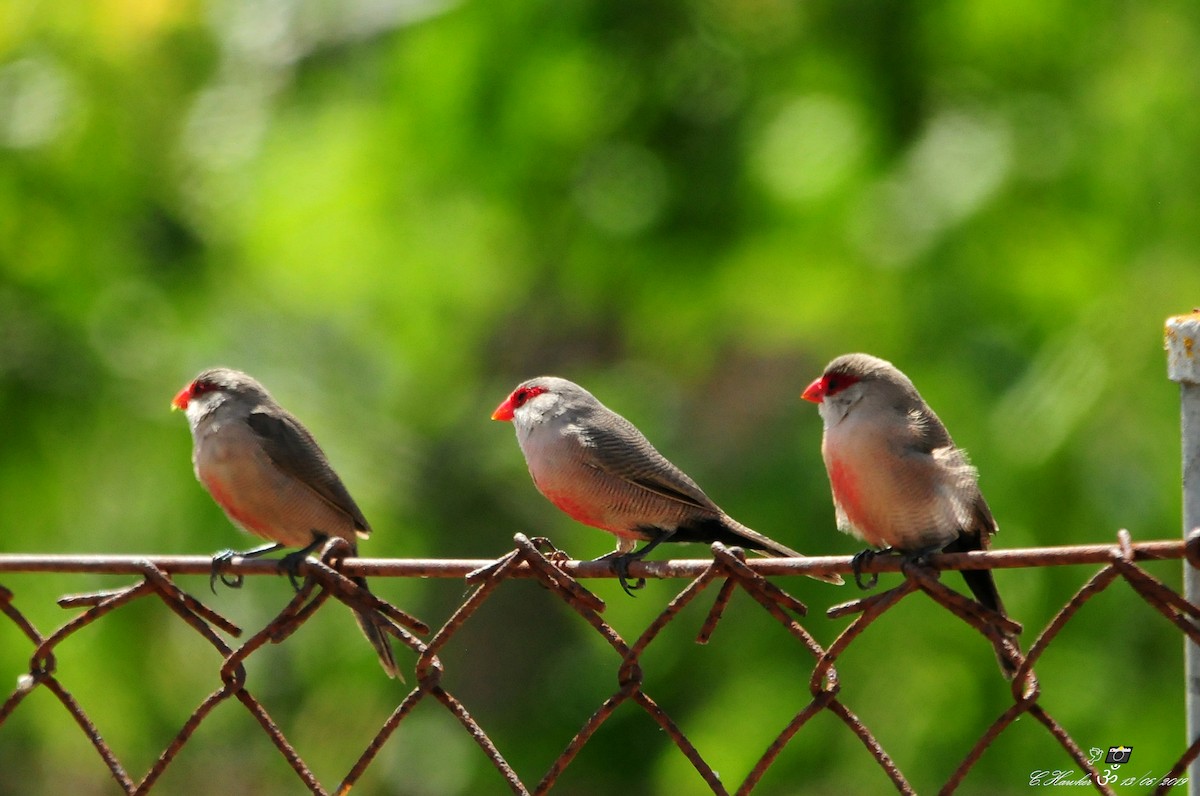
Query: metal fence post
{"points": [[1183, 366]]}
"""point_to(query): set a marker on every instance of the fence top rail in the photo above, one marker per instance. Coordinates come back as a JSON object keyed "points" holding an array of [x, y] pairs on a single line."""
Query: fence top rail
{"points": [[1117, 564], [674, 568]]}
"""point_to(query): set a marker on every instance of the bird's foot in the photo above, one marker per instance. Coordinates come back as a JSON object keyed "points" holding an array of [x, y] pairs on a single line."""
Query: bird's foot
{"points": [[619, 561], [290, 564], [225, 556], [620, 565], [919, 558], [218, 563], [862, 558]]}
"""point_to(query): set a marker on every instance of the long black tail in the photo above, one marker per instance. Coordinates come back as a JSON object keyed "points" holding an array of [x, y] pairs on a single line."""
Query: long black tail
{"points": [[726, 530], [980, 581], [371, 625], [983, 586]]}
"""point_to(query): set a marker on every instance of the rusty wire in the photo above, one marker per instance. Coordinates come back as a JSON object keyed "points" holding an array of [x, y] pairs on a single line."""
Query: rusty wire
{"points": [[329, 577]]}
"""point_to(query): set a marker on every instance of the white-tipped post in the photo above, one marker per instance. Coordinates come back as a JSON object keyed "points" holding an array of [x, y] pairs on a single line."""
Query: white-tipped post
{"points": [[1183, 367]]}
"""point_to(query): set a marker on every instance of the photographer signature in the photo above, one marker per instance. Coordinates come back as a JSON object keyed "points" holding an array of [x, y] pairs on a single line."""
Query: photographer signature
{"points": [[1114, 758]]}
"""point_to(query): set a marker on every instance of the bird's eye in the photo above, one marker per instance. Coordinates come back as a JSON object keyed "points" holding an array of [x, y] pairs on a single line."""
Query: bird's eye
{"points": [[524, 394], [836, 382], [201, 387]]}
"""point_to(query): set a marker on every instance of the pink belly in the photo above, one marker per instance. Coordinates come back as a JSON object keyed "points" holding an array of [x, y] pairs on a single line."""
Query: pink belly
{"points": [[848, 494], [236, 513], [576, 509], [590, 514]]}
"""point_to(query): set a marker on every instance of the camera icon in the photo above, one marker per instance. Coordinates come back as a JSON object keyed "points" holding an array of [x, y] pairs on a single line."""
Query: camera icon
{"points": [[1118, 755]]}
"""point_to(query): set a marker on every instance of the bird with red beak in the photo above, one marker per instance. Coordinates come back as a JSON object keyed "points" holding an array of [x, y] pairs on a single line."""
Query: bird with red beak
{"points": [[599, 469], [899, 482], [264, 468]]}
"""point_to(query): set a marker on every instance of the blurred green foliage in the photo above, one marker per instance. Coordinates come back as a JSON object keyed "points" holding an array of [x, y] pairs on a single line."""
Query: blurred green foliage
{"points": [[391, 212]]}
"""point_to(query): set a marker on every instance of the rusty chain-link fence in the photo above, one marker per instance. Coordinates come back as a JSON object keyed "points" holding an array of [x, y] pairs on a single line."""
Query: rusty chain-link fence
{"points": [[713, 582]]}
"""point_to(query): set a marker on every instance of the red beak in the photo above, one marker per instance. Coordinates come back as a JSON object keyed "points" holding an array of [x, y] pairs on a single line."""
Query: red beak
{"points": [[181, 400], [815, 392], [504, 411]]}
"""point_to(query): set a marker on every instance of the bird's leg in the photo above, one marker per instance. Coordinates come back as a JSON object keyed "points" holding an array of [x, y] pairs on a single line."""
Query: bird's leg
{"points": [[225, 556], [865, 557], [290, 563], [620, 565], [624, 555], [919, 557], [618, 560]]}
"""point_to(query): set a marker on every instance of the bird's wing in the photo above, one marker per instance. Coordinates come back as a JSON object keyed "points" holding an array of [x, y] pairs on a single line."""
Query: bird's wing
{"points": [[293, 450], [926, 432], [620, 450], [929, 437], [985, 524]]}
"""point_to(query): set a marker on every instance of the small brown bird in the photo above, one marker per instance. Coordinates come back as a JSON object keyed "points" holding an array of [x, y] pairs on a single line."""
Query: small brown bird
{"points": [[598, 468], [263, 467], [899, 482]]}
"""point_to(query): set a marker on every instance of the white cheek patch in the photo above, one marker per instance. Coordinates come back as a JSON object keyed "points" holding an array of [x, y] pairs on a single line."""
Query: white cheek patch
{"points": [[196, 410]]}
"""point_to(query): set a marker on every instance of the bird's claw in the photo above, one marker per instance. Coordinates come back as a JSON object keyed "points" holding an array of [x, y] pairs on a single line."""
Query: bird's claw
{"points": [[290, 566], [918, 559], [619, 562], [620, 566], [856, 565], [218, 561]]}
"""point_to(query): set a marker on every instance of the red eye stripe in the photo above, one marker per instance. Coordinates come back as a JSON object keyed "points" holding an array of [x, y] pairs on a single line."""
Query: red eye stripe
{"points": [[836, 382], [827, 385], [515, 401], [523, 394], [192, 391]]}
